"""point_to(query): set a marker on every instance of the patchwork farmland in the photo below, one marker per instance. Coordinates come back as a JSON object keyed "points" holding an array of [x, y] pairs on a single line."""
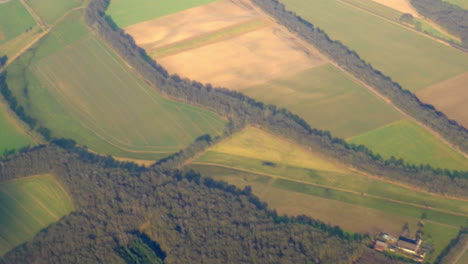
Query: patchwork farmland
{"points": [[27, 206], [67, 92], [232, 44], [295, 181], [415, 61]]}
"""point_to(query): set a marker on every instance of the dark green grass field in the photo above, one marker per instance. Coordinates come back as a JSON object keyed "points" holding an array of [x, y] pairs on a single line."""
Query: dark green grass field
{"points": [[129, 12], [80, 89], [11, 137], [327, 99], [28, 205], [14, 20], [414, 144], [51, 10], [413, 60]]}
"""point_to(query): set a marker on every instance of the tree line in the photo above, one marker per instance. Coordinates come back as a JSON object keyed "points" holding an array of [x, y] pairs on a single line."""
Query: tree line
{"points": [[241, 110], [453, 18], [187, 218]]}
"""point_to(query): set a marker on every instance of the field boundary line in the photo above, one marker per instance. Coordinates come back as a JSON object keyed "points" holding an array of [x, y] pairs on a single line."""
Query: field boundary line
{"points": [[44, 26], [458, 257], [333, 188], [373, 90], [398, 24], [205, 38], [391, 103]]}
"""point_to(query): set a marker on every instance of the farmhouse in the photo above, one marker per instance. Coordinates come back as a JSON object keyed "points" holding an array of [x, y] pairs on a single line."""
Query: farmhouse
{"points": [[409, 245], [380, 246]]}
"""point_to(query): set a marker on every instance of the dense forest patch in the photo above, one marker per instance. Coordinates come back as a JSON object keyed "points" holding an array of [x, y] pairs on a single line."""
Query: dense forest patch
{"points": [[192, 219]]}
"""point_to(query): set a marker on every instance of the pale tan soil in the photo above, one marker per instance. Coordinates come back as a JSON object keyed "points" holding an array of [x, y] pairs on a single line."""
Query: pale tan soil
{"points": [[400, 5], [348, 216], [2, 35], [246, 60], [237, 62], [450, 97], [190, 23]]}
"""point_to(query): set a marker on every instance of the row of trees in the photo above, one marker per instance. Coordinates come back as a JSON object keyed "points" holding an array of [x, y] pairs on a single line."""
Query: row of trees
{"points": [[451, 17], [242, 110], [193, 219]]}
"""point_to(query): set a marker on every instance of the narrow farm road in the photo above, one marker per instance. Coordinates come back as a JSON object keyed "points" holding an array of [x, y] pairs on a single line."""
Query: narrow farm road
{"points": [[334, 188]]}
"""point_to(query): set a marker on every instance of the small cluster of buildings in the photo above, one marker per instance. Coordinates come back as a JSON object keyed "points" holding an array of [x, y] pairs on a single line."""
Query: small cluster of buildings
{"points": [[407, 247]]}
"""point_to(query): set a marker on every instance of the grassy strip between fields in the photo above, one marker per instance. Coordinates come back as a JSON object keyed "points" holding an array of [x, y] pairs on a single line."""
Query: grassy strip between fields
{"points": [[28, 205], [411, 59], [355, 212], [395, 15], [209, 38]]}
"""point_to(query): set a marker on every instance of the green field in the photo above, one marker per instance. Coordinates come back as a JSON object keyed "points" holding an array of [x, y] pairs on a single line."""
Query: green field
{"points": [[394, 15], [295, 181], [414, 144], [11, 137], [462, 3], [77, 87], [129, 12], [249, 149], [27, 206], [51, 10], [413, 60], [14, 21], [327, 99]]}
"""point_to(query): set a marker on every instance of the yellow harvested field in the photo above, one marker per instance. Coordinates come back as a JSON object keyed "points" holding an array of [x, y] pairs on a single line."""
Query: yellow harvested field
{"points": [[450, 97], [228, 43], [247, 60], [400, 5], [191, 23]]}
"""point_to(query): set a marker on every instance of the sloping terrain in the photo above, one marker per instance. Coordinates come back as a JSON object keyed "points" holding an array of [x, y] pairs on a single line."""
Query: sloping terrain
{"points": [[27, 205]]}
